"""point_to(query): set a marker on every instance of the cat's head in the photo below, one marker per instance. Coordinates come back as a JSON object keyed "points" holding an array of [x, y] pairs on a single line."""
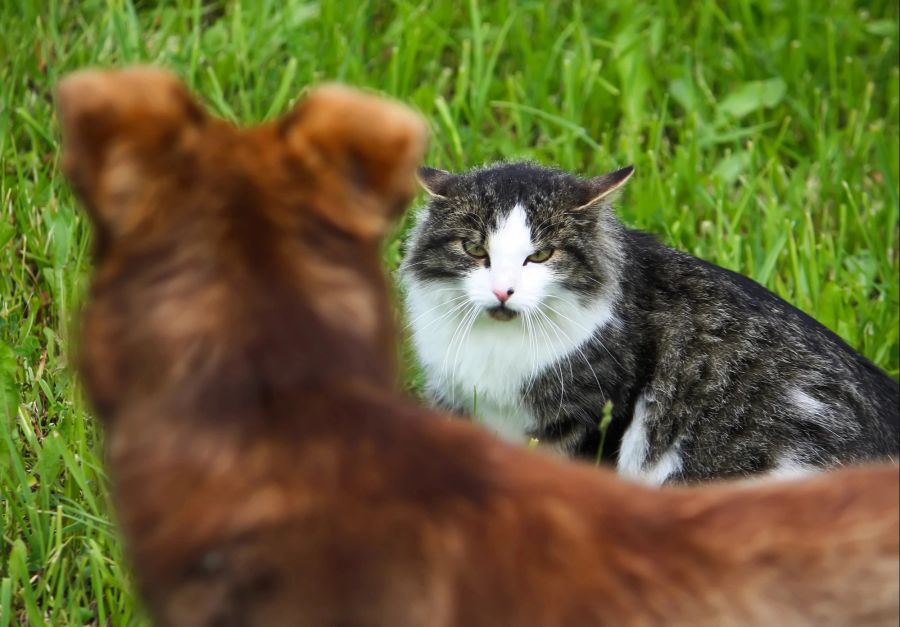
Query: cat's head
{"points": [[510, 238], [208, 236]]}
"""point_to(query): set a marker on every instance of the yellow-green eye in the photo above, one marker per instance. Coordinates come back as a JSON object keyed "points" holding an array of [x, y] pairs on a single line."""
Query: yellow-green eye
{"points": [[540, 256], [475, 249]]}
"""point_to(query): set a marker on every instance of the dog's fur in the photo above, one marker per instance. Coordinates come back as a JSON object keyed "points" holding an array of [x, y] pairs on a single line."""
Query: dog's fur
{"points": [[238, 346]]}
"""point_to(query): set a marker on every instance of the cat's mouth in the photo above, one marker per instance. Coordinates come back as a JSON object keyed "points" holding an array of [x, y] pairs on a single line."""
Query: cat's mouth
{"points": [[502, 312]]}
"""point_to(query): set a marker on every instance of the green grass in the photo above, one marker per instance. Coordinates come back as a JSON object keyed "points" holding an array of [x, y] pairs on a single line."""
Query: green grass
{"points": [[765, 136]]}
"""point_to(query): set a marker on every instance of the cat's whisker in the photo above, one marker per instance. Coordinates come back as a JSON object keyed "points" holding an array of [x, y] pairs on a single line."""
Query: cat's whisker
{"points": [[458, 292], [557, 367], [557, 330], [469, 312], [449, 300], [459, 324], [594, 334], [458, 338], [532, 352], [443, 317], [578, 350], [449, 288], [462, 341], [532, 342], [454, 305], [605, 286], [553, 327], [537, 228], [538, 231], [438, 306], [531, 378], [545, 225], [463, 320]]}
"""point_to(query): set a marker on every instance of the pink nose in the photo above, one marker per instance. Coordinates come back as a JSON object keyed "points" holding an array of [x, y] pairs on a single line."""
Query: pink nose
{"points": [[503, 295]]}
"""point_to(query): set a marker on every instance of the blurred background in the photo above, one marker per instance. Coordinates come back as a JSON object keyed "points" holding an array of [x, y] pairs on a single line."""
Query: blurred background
{"points": [[764, 135]]}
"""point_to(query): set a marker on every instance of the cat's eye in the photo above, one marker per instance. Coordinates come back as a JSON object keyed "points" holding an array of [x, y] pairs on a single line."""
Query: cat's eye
{"points": [[475, 249], [540, 256]]}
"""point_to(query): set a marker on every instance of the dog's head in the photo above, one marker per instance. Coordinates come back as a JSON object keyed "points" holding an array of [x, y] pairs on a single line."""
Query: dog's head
{"points": [[208, 237]]}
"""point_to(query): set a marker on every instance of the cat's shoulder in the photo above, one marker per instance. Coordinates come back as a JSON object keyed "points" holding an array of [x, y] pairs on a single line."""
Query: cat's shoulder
{"points": [[709, 286], [691, 275]]}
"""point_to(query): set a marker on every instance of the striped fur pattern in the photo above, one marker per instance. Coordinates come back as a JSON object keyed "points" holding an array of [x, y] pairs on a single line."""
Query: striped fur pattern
{"points": [[709, 374]]}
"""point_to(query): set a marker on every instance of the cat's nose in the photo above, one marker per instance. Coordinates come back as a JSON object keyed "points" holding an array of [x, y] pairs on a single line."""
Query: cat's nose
{"points": [[503, 295]]}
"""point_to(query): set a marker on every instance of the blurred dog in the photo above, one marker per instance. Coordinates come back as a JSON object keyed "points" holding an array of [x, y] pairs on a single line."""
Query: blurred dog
{"points": [[238, 345]]}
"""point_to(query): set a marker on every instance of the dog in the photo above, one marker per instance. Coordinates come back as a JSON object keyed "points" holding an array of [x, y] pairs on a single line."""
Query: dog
{"points": [[238, 343]]}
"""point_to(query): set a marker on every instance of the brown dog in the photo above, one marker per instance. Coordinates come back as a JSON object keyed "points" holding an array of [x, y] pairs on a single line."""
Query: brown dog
{"points": [[237, 345]]}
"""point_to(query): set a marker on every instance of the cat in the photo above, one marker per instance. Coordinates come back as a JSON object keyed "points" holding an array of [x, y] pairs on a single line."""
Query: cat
{"points": [[238, 344], [531, 306]]}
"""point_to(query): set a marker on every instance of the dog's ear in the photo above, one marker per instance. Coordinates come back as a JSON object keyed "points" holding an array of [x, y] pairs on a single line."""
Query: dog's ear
{"points": [[360, 149], [117, 127]]}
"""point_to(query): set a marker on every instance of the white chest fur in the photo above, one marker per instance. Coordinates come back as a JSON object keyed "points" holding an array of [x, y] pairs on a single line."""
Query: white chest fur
{"points": [[484, 366]]}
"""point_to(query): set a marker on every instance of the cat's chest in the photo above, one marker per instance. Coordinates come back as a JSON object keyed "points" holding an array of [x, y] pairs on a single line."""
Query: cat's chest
{"points": [[482, 369], [486, 368], [488, 378], [512, 422]]}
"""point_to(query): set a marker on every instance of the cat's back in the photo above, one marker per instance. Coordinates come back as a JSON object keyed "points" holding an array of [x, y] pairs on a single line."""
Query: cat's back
{"points": [[727, 336]]}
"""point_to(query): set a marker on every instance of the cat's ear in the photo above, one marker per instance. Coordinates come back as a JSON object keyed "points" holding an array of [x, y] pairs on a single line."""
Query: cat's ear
{"points": [[602, 187], [434, 181], [117, 126], [362, 152]]}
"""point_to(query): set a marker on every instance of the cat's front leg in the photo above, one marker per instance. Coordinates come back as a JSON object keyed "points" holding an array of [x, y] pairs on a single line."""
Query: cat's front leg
{"points": [[572, 435]]}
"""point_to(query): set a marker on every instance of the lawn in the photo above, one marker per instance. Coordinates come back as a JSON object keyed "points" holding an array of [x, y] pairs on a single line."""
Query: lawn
{"points": [[764, 135]]}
